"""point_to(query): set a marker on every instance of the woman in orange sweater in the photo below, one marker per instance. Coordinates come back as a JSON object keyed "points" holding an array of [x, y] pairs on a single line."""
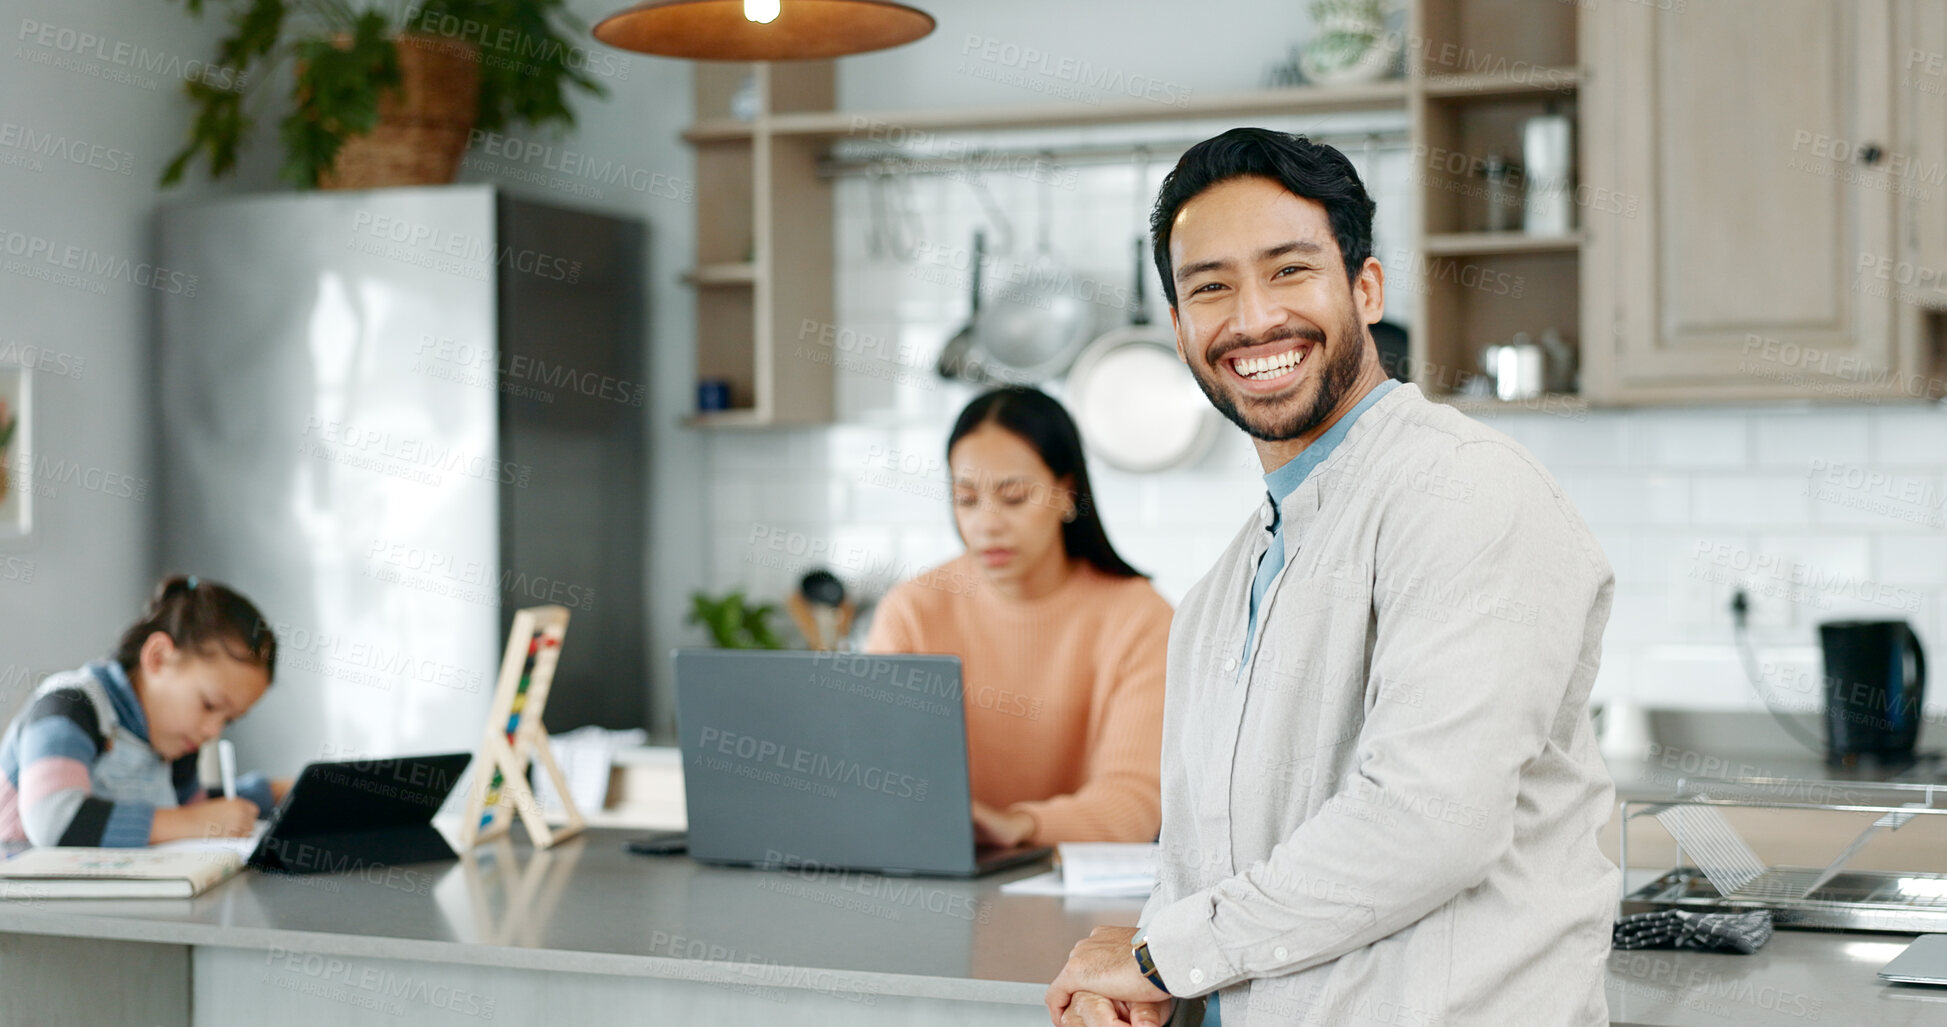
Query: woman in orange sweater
{"points": [[1061, 643]]}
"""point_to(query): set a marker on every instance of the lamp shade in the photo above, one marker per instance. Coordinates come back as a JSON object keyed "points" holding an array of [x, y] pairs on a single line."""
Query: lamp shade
{"points": [[718, 30]]}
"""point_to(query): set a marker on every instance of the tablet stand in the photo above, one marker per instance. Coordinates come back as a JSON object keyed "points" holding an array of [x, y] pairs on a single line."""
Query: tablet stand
{"points": [[516, 738]]}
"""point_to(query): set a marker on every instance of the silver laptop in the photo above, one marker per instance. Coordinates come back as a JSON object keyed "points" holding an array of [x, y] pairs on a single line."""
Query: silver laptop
{"points": [[829, 759], [1923, 962]]}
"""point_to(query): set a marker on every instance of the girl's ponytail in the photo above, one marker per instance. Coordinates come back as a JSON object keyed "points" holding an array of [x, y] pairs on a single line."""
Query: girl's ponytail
{"points": [[202, 616]]}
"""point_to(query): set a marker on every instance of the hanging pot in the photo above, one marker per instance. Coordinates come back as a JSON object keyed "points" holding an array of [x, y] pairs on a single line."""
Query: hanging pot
{"points": [[1139, 408], [1032, 327]]}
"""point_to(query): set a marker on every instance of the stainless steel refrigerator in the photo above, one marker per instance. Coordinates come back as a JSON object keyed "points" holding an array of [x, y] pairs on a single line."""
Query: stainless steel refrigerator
{"points": [[391, 418]]}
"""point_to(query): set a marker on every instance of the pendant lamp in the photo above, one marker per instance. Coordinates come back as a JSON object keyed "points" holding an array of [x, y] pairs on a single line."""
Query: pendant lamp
{"points": [[763, 30]]}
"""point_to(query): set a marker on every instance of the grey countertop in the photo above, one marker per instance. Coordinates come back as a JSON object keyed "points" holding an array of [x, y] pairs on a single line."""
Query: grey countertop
{"points": [[1801, 977], [589, 907]]}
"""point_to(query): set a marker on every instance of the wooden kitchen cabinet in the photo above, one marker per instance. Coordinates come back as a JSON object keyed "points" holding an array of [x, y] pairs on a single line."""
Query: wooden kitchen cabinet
{"points": [[1758, 150], [763, 276], [1481, 70], [1920, 64]]}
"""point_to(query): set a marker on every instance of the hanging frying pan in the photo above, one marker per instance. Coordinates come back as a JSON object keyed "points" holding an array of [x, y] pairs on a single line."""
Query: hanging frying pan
{"points": [[1138, 406], [1033, 323]]}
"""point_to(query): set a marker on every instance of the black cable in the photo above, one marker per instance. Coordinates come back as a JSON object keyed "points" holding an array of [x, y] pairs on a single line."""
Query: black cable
{"points": [[1740, 631]]}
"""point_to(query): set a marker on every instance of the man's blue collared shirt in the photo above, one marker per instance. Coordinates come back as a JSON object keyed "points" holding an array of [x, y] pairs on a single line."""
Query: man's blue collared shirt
{"points": [[1281, 483]]}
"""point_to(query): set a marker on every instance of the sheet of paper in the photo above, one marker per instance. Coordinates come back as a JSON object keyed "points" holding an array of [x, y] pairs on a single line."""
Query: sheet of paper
{"points": [[1040, 884], [1108, 868], [586, 756], [241, 846], [1098, 869]]}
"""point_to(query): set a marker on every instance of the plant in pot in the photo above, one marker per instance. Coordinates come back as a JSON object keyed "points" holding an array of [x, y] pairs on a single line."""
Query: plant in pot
{"points": [[384, 94], [733, 623]]}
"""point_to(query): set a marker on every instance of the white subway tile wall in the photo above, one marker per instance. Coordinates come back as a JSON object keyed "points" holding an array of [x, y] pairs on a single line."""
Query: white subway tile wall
{"points": [[1820, 513]]}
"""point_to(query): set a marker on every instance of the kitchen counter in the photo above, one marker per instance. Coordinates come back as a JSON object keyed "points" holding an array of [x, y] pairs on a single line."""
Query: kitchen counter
{"points": [[505, 926], [514, 933], [1798, 977], [1657, 774]]}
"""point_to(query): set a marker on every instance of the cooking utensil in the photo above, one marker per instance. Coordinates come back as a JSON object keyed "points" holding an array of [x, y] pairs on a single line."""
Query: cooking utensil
{"points": [[1515, 366], [956, 359], [1394, 350], [1547, 161], [1138, 406], [1559, 362], [1033, 327], [821, 609], [894, 230], [1875, 684]]}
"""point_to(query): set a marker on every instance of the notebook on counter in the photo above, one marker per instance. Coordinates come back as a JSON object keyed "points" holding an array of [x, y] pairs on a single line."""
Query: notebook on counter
{"points": [[91, 873]]}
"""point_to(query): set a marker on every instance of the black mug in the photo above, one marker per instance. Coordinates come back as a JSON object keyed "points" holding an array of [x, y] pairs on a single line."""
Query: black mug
{"points": [[1875, 680]]}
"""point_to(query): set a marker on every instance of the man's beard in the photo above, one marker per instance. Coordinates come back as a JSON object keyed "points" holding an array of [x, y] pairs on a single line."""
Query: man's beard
{"points": [[1335, 379]]}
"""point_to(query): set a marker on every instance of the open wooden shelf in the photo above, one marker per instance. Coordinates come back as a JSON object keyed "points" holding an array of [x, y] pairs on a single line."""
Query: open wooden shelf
{"points": [[1557, 403], [736, 417], [1485, 67], [1471, 244], [735, 273], [1534, 81], [1387, 95], [764, 220]]}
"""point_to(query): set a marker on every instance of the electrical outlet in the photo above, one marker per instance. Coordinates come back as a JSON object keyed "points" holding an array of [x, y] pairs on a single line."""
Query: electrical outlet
{"points": [[1700, 605]]}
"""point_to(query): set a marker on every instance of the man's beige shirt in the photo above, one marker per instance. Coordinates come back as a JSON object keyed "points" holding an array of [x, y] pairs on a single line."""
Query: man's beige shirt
{"points": [[1387, 812]]}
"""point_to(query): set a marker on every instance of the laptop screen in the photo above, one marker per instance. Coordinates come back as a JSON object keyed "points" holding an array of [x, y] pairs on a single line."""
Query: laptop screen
{"points": [[835, 759]]}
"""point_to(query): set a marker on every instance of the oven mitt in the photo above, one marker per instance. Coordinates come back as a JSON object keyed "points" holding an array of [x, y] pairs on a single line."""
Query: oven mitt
{"points": [[1710, 932]]}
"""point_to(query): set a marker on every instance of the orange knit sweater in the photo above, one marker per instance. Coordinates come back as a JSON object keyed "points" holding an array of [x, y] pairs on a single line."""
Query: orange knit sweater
{"points": [[1064, 694]]}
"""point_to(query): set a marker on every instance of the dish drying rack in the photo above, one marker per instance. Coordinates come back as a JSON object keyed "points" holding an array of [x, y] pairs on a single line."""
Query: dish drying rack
{"points": [[1718, 872]]}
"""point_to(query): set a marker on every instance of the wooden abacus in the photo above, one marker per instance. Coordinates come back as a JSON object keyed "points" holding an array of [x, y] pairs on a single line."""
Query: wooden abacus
{"points": [[515, 738]]}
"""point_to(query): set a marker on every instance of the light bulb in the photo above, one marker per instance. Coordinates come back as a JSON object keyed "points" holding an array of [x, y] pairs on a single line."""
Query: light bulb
{"points": [[762, 12]]}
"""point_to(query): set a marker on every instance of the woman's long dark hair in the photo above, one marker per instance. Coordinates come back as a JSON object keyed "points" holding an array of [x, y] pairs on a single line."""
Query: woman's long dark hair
{"points": [[1041, 422]]}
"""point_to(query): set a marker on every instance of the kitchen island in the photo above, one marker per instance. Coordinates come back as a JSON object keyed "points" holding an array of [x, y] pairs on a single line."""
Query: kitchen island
{"points": [[588, 933]]}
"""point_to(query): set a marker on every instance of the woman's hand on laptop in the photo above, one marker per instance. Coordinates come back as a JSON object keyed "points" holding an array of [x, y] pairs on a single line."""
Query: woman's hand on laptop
{"points": [[1000, 827]]}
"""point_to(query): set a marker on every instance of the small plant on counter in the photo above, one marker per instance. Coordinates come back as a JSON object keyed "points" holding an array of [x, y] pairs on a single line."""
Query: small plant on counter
{"points": [[347, 60], [733, 625]]}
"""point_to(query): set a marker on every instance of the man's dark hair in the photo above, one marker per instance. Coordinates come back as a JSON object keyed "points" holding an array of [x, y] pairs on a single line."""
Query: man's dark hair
{"points": [[1311, 170]]}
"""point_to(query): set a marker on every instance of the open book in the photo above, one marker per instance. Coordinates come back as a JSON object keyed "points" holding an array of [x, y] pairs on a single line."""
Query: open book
{"points": [[86, 873]]}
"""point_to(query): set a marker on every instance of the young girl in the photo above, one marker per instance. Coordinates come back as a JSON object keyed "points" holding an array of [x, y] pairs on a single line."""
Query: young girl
{"points": [[106, 755]]}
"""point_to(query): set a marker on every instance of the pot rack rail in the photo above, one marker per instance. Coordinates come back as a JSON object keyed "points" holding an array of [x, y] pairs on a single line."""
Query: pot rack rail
{"points": [[1011, 159]]}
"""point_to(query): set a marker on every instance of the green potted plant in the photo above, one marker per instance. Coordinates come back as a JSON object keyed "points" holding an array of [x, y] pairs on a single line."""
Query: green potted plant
{"points": [[732, 624], [384, 94]]}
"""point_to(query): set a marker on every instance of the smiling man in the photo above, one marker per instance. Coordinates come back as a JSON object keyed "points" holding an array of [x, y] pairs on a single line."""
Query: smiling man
{"points": [[1381, 790]]}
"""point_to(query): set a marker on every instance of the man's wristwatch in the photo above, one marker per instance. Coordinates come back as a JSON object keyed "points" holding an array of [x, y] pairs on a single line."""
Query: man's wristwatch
{"points": [[1148, 966]]}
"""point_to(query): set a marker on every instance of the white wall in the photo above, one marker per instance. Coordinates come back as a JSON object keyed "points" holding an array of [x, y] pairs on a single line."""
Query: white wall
{"points": [[1685, 502], [626, 156], [1823, 513], [1656, 484], [67, 591], [102, 85]]}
